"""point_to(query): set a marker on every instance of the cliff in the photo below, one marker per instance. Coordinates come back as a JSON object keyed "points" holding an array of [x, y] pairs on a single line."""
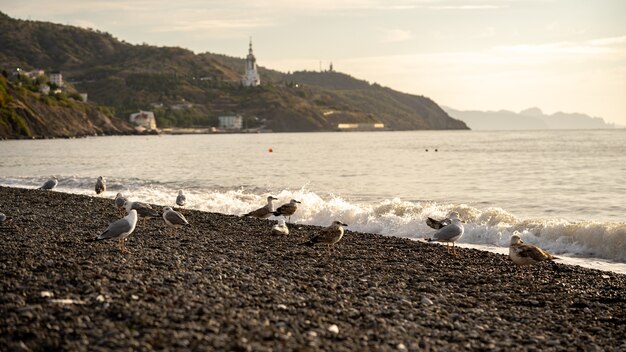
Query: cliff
{"points": [[24, 114]]}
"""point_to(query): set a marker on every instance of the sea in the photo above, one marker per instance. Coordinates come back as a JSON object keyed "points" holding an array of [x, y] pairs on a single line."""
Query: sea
{"points": [[564, 191]]}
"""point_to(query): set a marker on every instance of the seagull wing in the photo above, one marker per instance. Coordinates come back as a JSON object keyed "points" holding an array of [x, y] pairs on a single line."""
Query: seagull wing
{"points": [[176, 218], [447, 233], [116, 229], [259, 213], [533, 252], [437, 224]]}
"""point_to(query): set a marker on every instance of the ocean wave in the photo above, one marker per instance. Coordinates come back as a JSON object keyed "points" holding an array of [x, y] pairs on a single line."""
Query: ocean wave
{"points": [[393, 217]]}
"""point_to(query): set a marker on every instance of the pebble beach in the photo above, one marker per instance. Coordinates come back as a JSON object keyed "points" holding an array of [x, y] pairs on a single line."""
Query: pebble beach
{"points": [[226, 283]]}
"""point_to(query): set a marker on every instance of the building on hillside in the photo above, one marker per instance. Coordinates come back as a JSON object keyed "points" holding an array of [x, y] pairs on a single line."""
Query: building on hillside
{"points": [[56, 78], [361, 126], [83, 97], [144, 119], [251, 77], [34, 74], [231, 122], [44, 89]]}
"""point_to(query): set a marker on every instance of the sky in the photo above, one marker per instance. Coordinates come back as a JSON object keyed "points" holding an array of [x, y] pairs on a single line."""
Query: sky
{"points": [[558, 55]]}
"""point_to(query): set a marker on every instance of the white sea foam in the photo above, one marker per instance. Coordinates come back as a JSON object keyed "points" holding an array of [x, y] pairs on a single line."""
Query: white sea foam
{"points": [[487, 227]]}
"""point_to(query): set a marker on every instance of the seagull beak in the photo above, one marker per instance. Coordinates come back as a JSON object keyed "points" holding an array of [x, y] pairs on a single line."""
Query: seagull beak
{"points": [[344, 224]]}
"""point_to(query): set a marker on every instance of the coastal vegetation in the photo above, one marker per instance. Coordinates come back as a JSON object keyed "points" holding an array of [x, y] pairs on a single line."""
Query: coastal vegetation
{"points": [[25, 112]]}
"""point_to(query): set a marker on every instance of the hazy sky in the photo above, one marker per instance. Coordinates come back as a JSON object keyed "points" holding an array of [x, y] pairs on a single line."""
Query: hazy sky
{"points": [[559, 55]]}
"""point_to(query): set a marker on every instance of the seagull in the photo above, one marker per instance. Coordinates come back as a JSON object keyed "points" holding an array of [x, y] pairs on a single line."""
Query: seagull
{"points": [[437, 224], [120, 230], [449, 232], [101, 184], [527, 254], [329, 235], [265, 211], [181, 200], [173, 218], [144, 210], [287, 209], [119, 202], [280, 228], [50, 184]]}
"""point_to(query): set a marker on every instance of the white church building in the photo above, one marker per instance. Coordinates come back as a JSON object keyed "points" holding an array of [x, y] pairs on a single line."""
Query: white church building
{"points": [[251, 78]]}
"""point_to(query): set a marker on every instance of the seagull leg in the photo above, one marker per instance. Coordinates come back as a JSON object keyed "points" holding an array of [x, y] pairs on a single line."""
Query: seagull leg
{"points": [[453, 249], [124, 249]]}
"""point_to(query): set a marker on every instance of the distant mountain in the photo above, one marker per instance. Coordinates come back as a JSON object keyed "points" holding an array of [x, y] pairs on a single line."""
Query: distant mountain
{"points": [[529, 119], [184, 89]]}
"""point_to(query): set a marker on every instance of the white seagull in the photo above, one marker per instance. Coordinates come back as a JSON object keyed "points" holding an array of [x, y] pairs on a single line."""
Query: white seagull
{"points": [[173, 218], [449, 232], [280, 228], [120, 230]]}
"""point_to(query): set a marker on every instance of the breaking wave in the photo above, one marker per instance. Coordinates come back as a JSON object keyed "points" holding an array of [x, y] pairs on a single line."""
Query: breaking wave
{"points": [[393, 217]]}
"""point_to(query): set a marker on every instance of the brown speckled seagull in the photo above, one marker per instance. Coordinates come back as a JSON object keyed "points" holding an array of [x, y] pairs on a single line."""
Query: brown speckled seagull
{"points": [[265, 211], [101, 185], [287, 209], [527, 254], [329, 235]]}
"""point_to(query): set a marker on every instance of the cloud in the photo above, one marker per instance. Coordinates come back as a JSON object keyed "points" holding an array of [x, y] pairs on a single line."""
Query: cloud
{"points": [[395, 35], [212, 25], [465, 7]]}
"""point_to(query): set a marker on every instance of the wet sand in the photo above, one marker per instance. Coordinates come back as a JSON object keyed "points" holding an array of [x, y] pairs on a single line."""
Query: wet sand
{"points": [[228, 284]]}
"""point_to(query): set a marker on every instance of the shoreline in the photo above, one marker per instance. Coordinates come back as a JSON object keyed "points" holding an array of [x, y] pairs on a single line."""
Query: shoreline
{"points": [[227, 284]]}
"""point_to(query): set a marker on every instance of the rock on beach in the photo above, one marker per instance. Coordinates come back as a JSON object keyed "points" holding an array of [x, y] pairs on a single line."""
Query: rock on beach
{"points": [[228, 284]]}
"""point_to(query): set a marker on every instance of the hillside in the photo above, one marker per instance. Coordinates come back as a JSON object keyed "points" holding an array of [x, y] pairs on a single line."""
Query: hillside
{"points": [[185, 89], [529, 119], [26, 114]]}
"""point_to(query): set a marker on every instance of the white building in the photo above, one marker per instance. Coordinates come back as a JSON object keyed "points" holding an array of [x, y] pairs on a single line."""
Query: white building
{"points": [[251, 78], [56, 78], [44, 89], [144, 119], [234, 122]]}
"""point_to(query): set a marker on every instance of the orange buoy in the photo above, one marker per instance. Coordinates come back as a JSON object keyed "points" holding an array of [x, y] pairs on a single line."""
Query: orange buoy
{"points": [[270, 150]]}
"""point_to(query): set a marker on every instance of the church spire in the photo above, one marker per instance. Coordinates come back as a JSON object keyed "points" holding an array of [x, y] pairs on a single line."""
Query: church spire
{"points": [[251, 77]]}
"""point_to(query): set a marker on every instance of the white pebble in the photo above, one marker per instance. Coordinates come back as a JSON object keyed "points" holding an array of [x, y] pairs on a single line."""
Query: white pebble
{"points": [[426, 301], [46, 294], [334, 329]]}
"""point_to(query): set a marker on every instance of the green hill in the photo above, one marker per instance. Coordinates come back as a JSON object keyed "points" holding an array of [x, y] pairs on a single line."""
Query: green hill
{"points": [[185, 89], [26, 113]]}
